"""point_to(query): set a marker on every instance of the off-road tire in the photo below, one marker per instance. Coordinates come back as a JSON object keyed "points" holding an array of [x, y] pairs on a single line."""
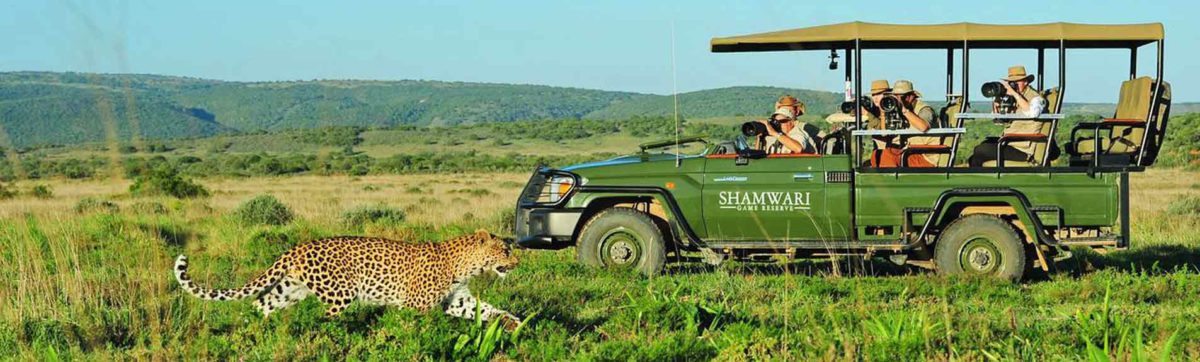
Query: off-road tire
{"points": [[631, 237], [973, 243]]}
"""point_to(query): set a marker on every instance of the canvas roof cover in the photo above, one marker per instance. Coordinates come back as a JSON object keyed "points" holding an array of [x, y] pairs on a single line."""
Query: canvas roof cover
{"points": [[942, 36]]}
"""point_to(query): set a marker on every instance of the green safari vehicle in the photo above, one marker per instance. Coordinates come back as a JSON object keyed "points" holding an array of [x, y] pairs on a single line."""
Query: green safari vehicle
{"points": [[729, 201]]}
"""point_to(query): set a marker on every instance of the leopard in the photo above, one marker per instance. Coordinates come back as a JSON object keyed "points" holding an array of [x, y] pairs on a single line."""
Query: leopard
{"points": [[375, 271]]}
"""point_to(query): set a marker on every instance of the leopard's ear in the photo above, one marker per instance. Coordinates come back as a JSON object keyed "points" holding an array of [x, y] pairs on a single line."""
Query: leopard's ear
{"points": [[483, 235]]}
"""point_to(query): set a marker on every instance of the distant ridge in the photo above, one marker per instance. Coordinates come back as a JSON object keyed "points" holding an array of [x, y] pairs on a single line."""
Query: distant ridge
{"points": [[52, 108]]}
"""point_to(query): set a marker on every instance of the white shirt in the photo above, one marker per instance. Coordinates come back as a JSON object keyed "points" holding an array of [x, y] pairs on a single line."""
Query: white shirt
{"points": [[1036, 105]]}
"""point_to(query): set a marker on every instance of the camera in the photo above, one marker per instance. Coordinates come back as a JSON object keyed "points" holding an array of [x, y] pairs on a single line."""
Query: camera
{"points": [[893, 114], [1005, 103], [755, 128], [995, 89], [849, 106]]}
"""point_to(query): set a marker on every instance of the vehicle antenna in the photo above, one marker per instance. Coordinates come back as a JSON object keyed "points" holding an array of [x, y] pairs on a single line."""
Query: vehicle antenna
{"points": [[675, 95]]}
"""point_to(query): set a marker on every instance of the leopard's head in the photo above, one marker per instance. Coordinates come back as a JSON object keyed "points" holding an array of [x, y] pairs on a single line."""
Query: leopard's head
{"points": [[494, 253]]}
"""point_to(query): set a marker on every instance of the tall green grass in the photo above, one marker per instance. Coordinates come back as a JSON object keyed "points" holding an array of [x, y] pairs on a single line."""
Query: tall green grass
{"points": [[98, 285]]}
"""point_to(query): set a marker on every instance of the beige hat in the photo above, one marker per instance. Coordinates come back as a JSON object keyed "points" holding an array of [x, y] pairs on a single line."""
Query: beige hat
{"points": [[904, 87], [1017, 72], [840, 118], [788, 101], [879, 86], [785, 111]]}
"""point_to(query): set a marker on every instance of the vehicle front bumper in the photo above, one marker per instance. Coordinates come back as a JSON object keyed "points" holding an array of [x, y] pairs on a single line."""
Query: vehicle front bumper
{"points": [[542, 228], [542, 224]]}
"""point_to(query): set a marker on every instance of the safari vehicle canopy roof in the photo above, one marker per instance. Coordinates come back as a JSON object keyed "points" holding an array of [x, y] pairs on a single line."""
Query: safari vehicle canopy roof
{"points": [[942, 36]]}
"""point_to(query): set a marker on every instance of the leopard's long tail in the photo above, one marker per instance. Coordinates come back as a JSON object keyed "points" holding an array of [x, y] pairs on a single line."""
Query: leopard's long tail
{"points": [[263, 282]]}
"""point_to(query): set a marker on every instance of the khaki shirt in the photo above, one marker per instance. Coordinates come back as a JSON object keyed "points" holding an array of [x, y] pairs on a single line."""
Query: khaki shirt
{"points": [[926, 113], [1028, 127]]}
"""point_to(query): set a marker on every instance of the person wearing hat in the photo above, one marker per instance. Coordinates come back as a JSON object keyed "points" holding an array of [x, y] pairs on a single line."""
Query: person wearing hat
{"points": [[792, 136], [879, 89], [919, 116], [1030, 103]]}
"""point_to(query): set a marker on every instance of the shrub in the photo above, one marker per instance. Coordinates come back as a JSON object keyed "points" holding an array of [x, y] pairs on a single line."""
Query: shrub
{"points": [[166, 181], [41, 192], [91, 204], [263, 210], [372, 214], [472, 192], [1189, 206], [149, 207], [6, 192]]}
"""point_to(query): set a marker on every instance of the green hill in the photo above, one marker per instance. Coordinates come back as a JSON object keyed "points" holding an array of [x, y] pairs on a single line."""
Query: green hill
{"points": [[34, 113], [721, 102], [46, 108]]}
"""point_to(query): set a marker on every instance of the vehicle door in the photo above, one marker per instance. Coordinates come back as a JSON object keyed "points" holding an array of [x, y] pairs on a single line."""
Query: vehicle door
{"points": [[773, 198]]}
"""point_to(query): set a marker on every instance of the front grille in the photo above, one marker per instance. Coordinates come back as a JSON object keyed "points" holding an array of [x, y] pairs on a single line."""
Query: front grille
{"points": [[535, 189], [538, 191], [837, 177]]}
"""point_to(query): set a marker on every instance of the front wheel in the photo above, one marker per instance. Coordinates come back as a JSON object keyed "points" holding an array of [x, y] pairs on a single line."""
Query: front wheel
{"points": [[622, 238], [980, 245]]}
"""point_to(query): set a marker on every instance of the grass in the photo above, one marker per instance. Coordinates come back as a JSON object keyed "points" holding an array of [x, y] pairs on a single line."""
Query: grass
{"points": [[97, 285]]}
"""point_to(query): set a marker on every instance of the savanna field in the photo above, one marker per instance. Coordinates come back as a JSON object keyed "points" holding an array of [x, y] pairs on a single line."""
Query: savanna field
{"points": [[85, 275]]}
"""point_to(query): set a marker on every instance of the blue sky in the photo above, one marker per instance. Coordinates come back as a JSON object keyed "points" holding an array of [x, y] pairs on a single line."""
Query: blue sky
{"points": [[613, 45]]}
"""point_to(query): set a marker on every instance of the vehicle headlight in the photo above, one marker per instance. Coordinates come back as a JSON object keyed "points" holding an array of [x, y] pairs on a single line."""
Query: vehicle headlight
{"points": [[559, 187]]}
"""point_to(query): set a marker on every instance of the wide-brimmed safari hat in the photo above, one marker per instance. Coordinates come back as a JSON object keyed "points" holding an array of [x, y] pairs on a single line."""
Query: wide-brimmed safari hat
{"points": [[879, 86], [788, 101], [785, 111], [904, 87], [840, 118], [1017, 72]]}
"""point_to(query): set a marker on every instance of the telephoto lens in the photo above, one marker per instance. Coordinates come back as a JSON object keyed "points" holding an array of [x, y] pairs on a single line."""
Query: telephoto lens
{"points": [[756, 128], [753, 129], [890, 104], [992, 89], [850, 106]]}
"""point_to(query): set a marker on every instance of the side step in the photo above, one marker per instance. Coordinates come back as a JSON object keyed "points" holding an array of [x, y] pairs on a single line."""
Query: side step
{"points": [[1100, 244]]}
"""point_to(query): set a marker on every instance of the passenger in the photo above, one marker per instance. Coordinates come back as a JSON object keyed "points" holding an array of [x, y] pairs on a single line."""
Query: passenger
{"points": [[879, 89], [919, 116], [794, 137], [1030, 103]]}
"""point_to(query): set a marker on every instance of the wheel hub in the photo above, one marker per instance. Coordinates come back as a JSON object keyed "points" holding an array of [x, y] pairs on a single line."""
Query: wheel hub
{"points": [[980, 256], [620, 247]]}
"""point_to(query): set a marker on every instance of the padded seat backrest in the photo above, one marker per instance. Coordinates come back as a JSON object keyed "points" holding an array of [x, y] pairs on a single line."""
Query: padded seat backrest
{"points": [[1053, 99], [1133, 104]]}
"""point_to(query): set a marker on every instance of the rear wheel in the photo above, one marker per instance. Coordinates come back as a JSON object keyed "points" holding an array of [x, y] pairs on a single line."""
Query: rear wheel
{"points": [[980, 245], [622, 238]]}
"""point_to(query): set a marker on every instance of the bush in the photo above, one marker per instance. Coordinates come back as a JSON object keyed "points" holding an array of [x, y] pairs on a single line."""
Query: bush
{"points": [[166, 181], [91, 204], [41, 192], [263, 210], [149, 207], [1187, 206], [6, 192], [372, 214]]}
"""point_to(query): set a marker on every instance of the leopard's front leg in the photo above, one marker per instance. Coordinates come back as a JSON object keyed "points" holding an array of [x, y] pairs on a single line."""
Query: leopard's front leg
{"points": [[460, 303]]}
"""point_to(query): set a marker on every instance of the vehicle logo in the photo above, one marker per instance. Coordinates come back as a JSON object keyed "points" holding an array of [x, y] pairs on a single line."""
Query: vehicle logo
{"points": [[731, 179], [764, 200]]}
